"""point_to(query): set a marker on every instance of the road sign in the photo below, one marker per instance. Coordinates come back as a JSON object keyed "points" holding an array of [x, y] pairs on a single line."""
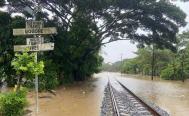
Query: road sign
{"points": [[35, 48], [34, 41], [34, 24], [35, 31]]}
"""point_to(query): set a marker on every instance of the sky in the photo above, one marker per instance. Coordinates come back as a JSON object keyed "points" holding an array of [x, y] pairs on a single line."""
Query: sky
{"points": [[113, 52]]}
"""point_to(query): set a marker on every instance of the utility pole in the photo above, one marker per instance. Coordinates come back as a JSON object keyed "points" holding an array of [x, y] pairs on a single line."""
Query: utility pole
{"points": [[153, 56], [36, 79], [121, 66], [182, 65], [153, 62]]}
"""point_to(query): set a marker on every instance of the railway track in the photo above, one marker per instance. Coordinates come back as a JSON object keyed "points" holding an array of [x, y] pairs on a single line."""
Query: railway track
{"points": [[126, 103]]}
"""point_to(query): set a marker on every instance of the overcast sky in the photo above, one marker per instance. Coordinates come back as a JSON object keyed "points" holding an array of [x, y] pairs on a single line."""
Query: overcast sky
{"points": [[112, 52]]}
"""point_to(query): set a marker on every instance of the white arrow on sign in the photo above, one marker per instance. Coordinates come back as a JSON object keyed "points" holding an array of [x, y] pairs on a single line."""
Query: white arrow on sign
{"points": [[35, 48], [35, 31]]}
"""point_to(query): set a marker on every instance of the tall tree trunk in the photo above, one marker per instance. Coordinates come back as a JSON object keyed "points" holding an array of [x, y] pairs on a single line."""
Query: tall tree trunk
{"points": [[78, 76]]}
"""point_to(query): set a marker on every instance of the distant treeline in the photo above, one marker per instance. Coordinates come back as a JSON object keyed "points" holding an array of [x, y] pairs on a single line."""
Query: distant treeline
{"points": [[155, 61], [111, 67]]}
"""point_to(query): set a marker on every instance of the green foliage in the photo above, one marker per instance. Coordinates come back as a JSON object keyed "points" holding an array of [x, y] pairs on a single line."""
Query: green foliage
{"points": [[167, 64], [49, 80], [114, 67], [13, 103], [77, 51], [25, 62], [144, 60], [167, 73], [171, 72], [7, 23], [130, 66], [2, 3], [3, 76]]}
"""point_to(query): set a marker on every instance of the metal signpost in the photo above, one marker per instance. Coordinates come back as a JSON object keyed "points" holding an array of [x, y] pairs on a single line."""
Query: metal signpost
{"points": [[35, 44]]}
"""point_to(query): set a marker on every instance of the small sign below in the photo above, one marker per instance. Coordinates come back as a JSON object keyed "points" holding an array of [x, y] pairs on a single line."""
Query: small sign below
{"points": [[35, 31], [34, 41], [35, 48]]}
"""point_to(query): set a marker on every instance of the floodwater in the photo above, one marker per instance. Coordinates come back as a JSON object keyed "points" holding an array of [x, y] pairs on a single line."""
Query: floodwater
{"points": [[172, 96], [84, 99], [81, 99]]}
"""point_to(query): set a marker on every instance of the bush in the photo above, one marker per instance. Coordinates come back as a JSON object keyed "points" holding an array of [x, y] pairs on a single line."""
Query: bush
{"points": [[169, 74], [49, 80], [13, 103]]}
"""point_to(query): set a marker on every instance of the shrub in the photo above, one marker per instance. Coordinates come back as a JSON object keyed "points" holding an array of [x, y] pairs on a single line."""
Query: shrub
{"points": [[50, 78], [47, 81], [13, 103], [171, 72], [167, 73]]}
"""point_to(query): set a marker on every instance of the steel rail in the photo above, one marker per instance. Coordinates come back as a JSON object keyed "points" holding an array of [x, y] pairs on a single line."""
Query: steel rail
{"points": [[150, 109], [114, 103]]}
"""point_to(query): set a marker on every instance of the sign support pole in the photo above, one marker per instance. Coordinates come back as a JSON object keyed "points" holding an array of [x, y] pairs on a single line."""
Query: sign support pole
{"points": [[36, 78], [36, 88]]}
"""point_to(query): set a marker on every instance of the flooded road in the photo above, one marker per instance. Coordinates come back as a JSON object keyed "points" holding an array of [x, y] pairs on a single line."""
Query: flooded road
{"points": [[84, 99]]}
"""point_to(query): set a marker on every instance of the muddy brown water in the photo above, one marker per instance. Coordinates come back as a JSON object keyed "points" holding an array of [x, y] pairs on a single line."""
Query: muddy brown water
{"points": [[84, 99], [81, 99]]}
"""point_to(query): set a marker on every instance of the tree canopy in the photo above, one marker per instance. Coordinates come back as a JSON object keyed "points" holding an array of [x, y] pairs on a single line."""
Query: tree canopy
{"points": [[121, 19]]}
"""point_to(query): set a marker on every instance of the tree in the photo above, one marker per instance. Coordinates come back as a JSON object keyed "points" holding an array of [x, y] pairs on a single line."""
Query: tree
{"points": [[130, 66], [70, 51], [2, 3], [182, 51], [80, 36], [7, 23], [143, 62], [121, 18], [25, 63]]}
